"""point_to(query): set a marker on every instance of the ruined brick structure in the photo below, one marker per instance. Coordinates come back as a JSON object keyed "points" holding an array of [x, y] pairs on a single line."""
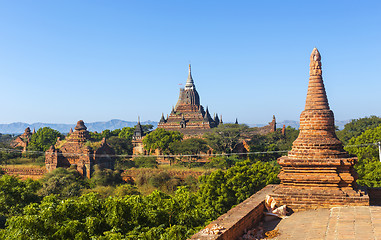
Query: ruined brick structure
{"points": [[79, 150], [189, 116], [317, 172], [23, 140]]}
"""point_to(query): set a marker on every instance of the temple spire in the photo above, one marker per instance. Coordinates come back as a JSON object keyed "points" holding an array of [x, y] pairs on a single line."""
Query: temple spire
{"points": [[190, 84], [316, 95]]}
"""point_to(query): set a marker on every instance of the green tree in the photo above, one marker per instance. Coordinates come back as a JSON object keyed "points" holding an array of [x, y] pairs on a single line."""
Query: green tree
{"points": [[62, 181], [106, 177], [222, 162], [126, 133], [121, 146], [145, 162], [225, 137], [270, 142], [16, 194], [96, 136], [191, 146], [356, 127], [43, 139], [221, 190], [369, 166], [147, 128], [161, 139]]}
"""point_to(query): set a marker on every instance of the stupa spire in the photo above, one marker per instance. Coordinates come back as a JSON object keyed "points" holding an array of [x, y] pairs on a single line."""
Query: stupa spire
{"points": [[316, 95], [190, 84], [317, 172]]}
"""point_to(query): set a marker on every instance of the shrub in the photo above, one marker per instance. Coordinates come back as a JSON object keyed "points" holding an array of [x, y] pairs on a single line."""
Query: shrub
{"points": [[145, 162]]}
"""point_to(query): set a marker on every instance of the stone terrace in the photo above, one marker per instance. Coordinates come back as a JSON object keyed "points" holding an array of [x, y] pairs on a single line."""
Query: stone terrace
{"points": [[339, 223]]}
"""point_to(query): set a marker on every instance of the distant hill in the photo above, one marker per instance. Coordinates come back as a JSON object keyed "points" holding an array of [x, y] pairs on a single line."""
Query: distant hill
{"points": [[295, 124], [19, 127]]}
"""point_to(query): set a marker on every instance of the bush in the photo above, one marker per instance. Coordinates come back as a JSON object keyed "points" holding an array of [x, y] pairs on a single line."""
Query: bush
{"points": [[101, 191], [106, 177], [145, 162], [222, 162], [64, 182], [121, 164], [126, 189], [159, 179]]}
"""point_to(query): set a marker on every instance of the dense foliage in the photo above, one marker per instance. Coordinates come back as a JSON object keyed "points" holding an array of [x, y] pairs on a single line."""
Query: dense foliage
{"points": [[124, 213], [356, 127], [225, 137], [223, 189], [161, 139], [16, 194], [275, 141], [43, 139], [63, 182], [369, 165]]}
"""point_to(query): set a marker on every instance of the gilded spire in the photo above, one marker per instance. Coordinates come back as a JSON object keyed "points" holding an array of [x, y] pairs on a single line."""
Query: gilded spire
{"points": [[190, 84], [316, 95]]}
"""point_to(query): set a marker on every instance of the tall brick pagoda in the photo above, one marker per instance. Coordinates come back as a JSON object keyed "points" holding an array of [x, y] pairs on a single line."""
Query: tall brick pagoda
{"points": [[81, 151], [317, 172], [189, 116]]}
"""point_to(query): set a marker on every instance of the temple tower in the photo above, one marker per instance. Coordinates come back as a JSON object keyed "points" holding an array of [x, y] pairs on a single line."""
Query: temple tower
{"points": [[189, 116], [318, 172]]}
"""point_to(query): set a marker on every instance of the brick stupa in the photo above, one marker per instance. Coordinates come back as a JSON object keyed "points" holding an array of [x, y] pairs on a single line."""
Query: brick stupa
{"points": [[317, 172]]}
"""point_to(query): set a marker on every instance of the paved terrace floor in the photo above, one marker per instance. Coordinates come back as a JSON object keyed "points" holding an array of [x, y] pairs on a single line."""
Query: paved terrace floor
{"points": [[360, 223]]}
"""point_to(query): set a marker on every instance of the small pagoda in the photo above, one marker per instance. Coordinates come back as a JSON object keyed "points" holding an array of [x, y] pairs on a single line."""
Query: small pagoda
{"points": [[189, 116], [81, 151], [137, 140], [23, 140], [318, 172]]}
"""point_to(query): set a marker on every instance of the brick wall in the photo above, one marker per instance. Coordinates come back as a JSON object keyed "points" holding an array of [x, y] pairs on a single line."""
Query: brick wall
{"points": [[240, 218], [25, 172]]}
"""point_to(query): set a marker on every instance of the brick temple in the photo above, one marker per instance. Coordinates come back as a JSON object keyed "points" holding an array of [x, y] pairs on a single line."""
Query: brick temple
{"points": [[189, 116], [23, 140], [137, 140], [318, 172], [81, 151]]}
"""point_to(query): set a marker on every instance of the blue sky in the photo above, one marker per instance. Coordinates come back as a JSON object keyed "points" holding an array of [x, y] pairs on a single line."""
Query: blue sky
{"points": [[61, 61]]}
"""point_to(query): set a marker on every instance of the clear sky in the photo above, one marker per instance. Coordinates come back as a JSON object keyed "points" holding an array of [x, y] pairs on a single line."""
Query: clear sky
{"points": [[61, 61]]}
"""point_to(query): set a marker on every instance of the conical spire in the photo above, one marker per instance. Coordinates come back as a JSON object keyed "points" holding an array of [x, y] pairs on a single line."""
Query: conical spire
{"points": [[190, 84], [221, 122], [162, 119], [317, 138], [236, 121], [138, 129], [207, 115], [316, 95]]}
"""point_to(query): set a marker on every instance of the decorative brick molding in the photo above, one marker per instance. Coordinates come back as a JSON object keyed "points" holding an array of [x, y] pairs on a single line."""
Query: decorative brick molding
{"points": [[237, 220]]}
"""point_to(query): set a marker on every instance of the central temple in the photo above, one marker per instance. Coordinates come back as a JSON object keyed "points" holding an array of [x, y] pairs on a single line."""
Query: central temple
{"points": [[189, 116]]}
